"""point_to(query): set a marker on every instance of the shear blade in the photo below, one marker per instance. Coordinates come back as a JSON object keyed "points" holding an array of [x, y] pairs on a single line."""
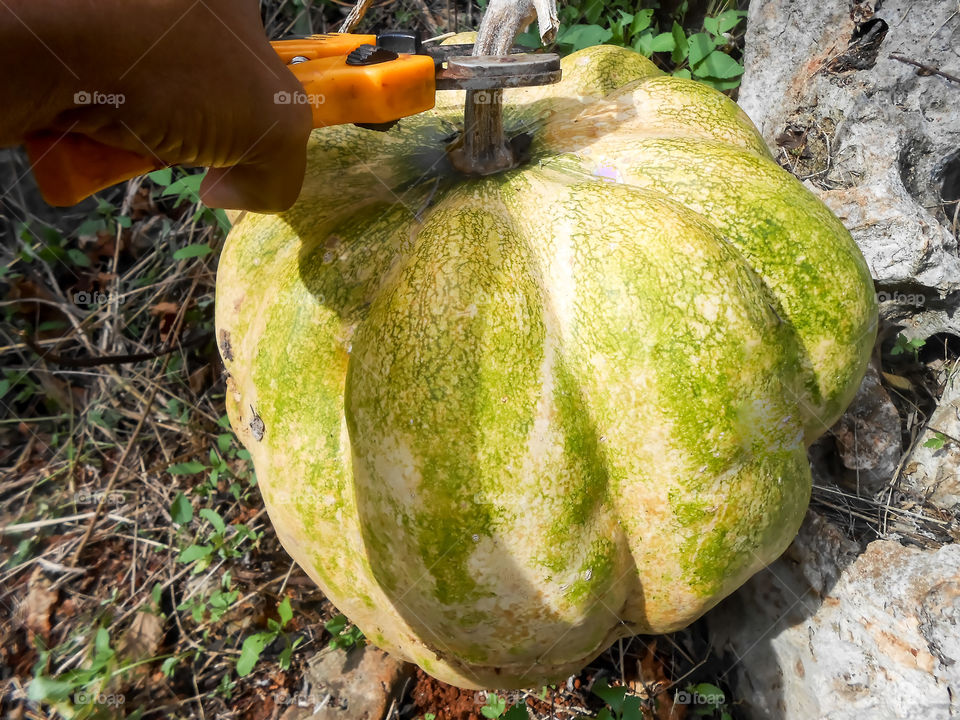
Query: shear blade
{"points": [[491, 72]]}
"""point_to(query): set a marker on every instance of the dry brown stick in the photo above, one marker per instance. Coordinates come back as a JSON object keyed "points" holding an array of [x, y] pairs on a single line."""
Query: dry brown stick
{"points": [[355, 16], [429, 16], [58, 359], [174, 333], [927, 69]]}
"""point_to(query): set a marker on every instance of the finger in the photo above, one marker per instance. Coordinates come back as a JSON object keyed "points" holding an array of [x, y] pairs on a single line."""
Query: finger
{"points": [[266, 188]]}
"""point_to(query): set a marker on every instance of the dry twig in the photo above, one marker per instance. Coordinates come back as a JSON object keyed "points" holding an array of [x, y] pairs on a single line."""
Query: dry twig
{"points": [[924, 69]]}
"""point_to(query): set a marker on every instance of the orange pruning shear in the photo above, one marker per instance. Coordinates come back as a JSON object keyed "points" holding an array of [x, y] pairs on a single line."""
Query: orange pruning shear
{"points": [[368, 80]]}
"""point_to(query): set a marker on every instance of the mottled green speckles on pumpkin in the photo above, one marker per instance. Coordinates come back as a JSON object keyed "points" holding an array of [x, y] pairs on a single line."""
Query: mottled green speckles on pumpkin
{"points": [[583, 456], [821, 289], [595, 574], [541, 405], [688, 512], [474, 384], [601, 69]]}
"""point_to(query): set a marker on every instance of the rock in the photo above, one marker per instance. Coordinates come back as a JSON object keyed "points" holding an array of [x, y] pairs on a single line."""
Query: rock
{"points": [[359, 684], [931, 474], [827, 633], [868, 437], [878, 142]]}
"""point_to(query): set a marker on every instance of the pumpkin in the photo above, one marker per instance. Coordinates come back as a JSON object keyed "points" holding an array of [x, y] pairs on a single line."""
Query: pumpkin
{"points": [[504, 421]]}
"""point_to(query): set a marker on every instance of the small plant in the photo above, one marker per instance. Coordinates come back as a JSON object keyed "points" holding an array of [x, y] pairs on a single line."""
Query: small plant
{"points": [[703, 55], [223, 542], [214, 606], [904, 345], [345, 635], [84, 692], [937, 441], [254, 645], [186, 187], [622, 705], [104, 217], [496, 707]]}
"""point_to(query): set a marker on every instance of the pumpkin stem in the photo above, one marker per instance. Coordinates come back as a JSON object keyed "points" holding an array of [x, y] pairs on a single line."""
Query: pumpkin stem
{"points": [[484, 149]]}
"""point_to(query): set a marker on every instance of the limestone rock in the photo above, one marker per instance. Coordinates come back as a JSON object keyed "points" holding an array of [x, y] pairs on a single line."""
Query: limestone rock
{"points": [[877, 141], [931, 473], [868, 437], [359, 684], [824, 633]]}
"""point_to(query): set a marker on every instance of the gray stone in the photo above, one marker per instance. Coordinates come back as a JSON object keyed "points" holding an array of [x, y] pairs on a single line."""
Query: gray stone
{"points": [[826, 633], [879, 143], [356, 684], [868, 437], [931, 474]]}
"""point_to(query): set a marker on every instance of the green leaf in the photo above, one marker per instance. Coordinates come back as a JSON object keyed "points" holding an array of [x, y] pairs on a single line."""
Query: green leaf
{"points": [[728, 20], [192, 251], [720, 84], [222, 220], [187, 468], [612, 696], [593, 11], [213, 518], [664, 42], [250, 652], [188, 185], [631, 708], [718, 65], [224, 441], [682, 73], [336, 624], [285, 611], [641, 21], [169, 665], [77, 257], [581, 36], [101, 643], [618, 27], [48, 689], [195, 552], [286, 655], [517, 712], [680, 47], [494, 707], [181, 509], [701, 45], [163, 176], [936, 442]]}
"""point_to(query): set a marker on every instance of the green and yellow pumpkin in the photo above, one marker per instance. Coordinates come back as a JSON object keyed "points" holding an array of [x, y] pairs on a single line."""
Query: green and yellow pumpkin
{"points": [[505, 421]]}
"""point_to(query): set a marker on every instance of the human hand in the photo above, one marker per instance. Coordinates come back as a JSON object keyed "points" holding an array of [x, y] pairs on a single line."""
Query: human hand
{"points": [[184, 82]]}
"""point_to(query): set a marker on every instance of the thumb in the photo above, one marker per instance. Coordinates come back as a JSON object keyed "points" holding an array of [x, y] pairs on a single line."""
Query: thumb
{"points": [[265, 188]]}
